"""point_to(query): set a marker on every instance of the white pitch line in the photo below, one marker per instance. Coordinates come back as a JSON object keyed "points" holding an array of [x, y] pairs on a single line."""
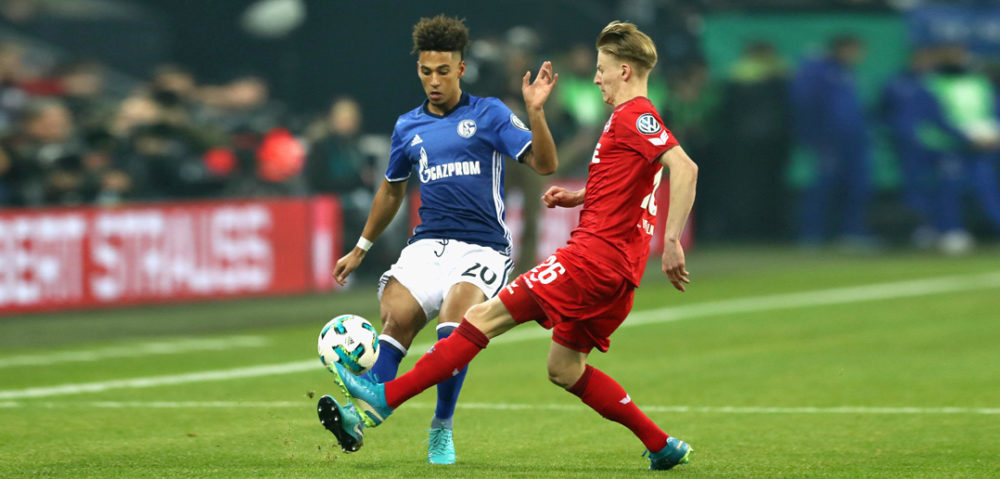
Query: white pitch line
{"points": [[749, 409], [885, 410], [823, 297], [145, 349], [222, 374]]}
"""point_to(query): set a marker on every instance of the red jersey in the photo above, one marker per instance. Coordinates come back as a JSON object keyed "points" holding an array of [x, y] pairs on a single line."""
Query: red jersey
{"points": [[619, 207]]}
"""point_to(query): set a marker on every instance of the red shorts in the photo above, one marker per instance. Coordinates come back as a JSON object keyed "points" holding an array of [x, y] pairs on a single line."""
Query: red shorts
{"points": [[580, 301]]}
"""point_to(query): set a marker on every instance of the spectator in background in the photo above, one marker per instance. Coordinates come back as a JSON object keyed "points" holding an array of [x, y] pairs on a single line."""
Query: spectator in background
{"points": [[19, 12], [242, 104], [105, 179], [692, 111], [831, 126], [12, 101], [968, 144], [906, 106], [179, 99], [176, 81], [176, 96], [522, 44], [335, 162], [486, 65], [585, 109], [134, 112], [6, 179], [692, 104], [166, 163], [577, 94], [12, 97], [244, 112], [81, 86], [44, 160], [336, 165], [756, 125], [161, 151]]}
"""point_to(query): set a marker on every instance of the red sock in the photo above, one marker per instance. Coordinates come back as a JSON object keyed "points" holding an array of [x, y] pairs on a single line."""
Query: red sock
{"points": [[443, 361], [607, 397]]}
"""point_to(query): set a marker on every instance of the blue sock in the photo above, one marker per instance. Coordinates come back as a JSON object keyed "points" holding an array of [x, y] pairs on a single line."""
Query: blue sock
{"points": [[389, 355], [447, 390]]}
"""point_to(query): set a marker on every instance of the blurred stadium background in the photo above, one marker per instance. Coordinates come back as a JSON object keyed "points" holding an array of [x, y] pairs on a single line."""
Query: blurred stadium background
{"points": [[186, 152]]}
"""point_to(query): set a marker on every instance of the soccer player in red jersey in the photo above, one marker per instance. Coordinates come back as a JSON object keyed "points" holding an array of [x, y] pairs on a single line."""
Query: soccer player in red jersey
{"points": [[584, 291]]}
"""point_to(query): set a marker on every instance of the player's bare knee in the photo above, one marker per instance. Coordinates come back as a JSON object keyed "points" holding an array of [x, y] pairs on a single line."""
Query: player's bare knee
{"points": [[565, 372], [554, 379], [562, 374], [400, 325], [560, 378]]}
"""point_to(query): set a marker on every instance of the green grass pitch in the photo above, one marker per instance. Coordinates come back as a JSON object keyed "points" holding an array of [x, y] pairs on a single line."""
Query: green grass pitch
{"points": [[884, 367]]}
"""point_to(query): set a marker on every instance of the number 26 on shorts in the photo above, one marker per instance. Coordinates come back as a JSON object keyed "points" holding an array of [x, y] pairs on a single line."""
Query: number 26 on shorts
{"points": [[548, 271]]}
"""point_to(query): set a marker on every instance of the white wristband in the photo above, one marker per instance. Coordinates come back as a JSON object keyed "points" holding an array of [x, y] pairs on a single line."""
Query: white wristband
{"points": [[364, 244]]}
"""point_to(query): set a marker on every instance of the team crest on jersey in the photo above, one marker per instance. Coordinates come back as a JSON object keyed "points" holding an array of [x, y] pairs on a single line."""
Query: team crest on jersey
{"points": [[647, 124], [518, 123], [466, 128]]}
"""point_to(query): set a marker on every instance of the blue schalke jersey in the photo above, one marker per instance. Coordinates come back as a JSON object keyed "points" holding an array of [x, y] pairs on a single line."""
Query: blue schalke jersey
{"points": [[459, 158]]}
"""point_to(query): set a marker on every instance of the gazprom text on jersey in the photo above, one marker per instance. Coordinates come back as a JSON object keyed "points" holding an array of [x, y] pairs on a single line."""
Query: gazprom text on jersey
{"points": [[446, 170]]}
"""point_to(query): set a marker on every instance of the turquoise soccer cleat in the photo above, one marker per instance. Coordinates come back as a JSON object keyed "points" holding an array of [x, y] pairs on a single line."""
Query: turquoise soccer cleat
{"points": [[674, 453], [368, 396], [441, 448], [343, 421]]}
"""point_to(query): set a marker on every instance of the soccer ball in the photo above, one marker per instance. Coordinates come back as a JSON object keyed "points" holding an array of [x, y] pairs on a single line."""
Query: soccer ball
{"points": [[351, 340]]}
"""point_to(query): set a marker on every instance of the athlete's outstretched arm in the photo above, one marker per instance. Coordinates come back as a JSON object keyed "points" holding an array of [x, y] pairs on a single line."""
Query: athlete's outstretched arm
{"points": [[542, 158], [683, 178], [388, 198]]}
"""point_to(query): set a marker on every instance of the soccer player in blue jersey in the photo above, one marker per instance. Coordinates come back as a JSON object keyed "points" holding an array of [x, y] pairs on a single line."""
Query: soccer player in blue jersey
{"points": [[459, 255]]}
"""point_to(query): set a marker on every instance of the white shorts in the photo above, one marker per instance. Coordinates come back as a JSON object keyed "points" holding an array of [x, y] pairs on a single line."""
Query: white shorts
{"points": [[428, 268]]}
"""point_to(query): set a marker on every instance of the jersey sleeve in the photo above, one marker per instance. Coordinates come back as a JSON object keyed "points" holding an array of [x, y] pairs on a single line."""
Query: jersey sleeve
{"points": [[512, 136], [643, 132], [399, 165]]}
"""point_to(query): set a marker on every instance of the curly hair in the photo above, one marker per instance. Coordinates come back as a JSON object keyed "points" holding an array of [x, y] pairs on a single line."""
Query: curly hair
{"points": [[440, 34]]}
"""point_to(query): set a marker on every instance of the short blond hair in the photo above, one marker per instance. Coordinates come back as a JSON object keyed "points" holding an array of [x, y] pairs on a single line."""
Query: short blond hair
{"points": [[626, 42]]}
